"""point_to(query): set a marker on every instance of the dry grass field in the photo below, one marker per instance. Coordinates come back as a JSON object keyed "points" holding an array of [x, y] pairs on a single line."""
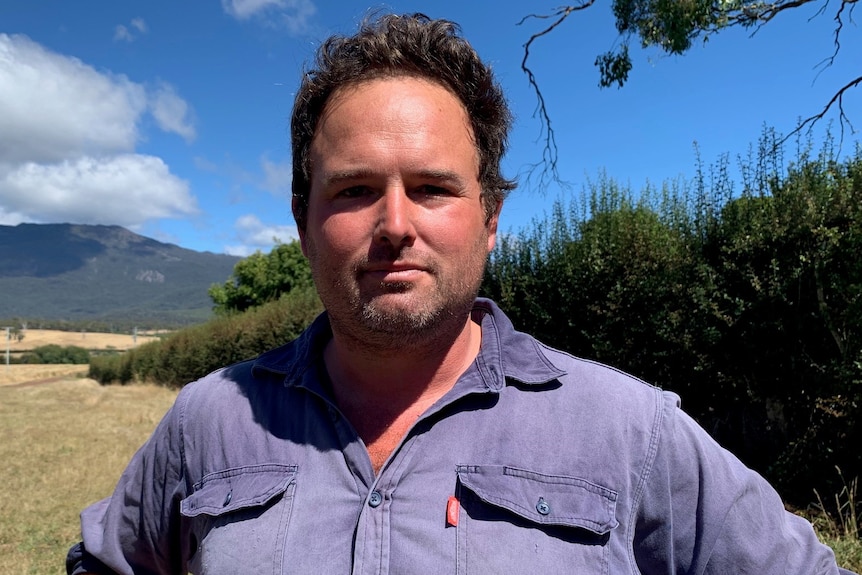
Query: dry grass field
{"points": [[63, 445], [18, 373], [34, 338]]}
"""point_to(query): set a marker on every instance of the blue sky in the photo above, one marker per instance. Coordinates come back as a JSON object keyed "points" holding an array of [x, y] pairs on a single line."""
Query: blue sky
{"points": [[171, 118]]}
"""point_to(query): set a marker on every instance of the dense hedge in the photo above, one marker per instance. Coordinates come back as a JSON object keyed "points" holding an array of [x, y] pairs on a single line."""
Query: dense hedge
{"points": [[747, 304], [193, 352]]}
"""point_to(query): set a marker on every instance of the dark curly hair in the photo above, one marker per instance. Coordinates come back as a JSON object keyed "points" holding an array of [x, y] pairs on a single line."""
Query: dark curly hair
{"points": [[409, 45]]}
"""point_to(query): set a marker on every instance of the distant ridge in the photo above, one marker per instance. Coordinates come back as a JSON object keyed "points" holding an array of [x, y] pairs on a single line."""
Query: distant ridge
{"points": [[74, 272]]}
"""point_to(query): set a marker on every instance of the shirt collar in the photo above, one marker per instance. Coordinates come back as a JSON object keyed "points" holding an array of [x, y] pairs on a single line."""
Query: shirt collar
{"points": [[298, 357], [507, 353], [523, 360]]}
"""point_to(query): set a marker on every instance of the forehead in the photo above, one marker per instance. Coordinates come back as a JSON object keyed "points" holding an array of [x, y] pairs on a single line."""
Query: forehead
{"points": [[394, 120], [399, 100]]}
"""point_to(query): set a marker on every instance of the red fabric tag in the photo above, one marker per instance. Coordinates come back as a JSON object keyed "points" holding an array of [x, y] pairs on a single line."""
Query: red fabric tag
{"points": [[452, 508]]}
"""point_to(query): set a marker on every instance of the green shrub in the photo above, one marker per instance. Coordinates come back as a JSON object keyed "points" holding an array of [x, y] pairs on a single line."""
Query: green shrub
{"points": [[54, 354], [189, 354]]}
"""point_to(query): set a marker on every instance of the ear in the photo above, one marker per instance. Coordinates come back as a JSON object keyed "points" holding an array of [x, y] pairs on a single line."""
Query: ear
{"points": [[492, 226]]}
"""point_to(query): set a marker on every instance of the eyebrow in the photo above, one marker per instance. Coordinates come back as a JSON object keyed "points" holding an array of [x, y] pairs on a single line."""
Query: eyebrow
{"points": [[351, 175]]}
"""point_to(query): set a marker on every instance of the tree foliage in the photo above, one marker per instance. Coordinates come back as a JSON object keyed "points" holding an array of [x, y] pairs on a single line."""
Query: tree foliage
{"points": [[262, 278], [672, 26], [747, 304]]}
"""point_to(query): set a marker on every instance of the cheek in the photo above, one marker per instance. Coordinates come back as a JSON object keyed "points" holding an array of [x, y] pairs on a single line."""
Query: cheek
{"points": [[342, 235], [457, 237]]}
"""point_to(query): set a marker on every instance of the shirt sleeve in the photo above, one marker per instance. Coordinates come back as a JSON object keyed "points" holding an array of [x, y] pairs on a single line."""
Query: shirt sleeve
{"points": [[703, 511], [137, 530]]}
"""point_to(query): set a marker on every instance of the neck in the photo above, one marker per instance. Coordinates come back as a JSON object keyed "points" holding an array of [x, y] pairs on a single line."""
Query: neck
{"points": [[357, 370], [380, 391]]}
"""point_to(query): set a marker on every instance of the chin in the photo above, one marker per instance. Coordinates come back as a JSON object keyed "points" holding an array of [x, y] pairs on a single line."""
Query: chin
{"points": [[386, 317]]}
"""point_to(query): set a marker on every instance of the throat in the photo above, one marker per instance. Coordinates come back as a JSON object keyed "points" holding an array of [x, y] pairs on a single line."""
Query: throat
{"points": [[383, 432], [382, 397]]}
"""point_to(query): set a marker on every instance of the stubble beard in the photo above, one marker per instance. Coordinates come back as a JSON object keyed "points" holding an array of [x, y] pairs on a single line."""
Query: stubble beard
{"points": [[415, 322], [397, 316]]}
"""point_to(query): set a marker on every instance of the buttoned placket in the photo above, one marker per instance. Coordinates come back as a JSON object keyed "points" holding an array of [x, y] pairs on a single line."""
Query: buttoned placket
{"points": [[371, 548], [372, 532]]}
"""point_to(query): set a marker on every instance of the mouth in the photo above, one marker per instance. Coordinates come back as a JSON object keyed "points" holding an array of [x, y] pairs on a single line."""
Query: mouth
{"points": [[394, 272]]}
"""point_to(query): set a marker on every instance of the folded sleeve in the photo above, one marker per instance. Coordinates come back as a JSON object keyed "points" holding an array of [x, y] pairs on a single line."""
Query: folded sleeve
{"points": [[703, 511], [137, 529]]}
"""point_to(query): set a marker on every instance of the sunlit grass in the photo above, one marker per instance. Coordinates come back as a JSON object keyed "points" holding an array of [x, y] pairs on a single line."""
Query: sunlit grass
{"points": [[63, 446]]}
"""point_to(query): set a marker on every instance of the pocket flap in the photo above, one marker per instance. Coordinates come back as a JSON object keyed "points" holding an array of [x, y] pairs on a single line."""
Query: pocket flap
{"points": [[543, 499], [232, 489]]}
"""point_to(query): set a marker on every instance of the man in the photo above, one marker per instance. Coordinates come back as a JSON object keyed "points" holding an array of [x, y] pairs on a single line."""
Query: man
{"points": [[410, 429]]}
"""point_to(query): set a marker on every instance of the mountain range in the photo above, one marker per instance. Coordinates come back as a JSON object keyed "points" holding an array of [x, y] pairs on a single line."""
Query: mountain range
{"points": [[70, 272]]}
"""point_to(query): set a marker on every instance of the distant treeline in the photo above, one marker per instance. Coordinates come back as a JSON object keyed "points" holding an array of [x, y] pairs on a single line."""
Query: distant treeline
{"points": [[123, 325], [53, 354], [745, 301]]}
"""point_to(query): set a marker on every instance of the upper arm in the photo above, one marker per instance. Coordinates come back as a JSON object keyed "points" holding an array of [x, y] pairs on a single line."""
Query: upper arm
{"points": [[704, 512]]}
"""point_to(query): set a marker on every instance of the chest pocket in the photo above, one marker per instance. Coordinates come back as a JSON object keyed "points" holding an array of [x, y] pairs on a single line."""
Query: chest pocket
{"points": [[237, 519], [517, 521]]}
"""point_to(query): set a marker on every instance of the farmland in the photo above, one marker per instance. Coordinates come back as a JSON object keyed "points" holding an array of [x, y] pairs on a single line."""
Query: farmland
{"points": [[34, 338]]}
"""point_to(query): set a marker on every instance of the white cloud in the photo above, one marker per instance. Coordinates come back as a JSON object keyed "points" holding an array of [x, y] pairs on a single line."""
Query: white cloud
{"points": [[294, 15], [254, 235], [126, 190], [244, 9], [69, 132], [54, 107], [171, 112], [10, 218], [122, 33], [139, 25]]}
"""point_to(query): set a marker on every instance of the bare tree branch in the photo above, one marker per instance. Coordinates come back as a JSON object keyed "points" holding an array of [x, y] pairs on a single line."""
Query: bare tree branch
{"points": [[842, 116], [549, 151], [760, 14], [839, 27]]}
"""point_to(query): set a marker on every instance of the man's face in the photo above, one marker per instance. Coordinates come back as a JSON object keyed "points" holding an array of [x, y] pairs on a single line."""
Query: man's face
{"points": [[396, 233]]}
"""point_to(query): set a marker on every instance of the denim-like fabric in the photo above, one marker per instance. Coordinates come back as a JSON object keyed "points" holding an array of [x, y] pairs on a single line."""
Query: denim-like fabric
{"points": [[534, 462]]}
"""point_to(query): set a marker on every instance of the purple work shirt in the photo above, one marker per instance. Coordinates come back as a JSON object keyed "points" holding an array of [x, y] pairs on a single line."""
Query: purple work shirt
{"points": [[534, 462]]}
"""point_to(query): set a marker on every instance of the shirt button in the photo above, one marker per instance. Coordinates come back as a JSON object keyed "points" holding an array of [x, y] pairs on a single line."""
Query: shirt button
{"points": [[542, 506], [375, 499]]}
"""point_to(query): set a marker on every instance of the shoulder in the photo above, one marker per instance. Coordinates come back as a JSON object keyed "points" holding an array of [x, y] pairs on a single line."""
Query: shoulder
{"points": [[594, 382], [258, 379], [581, 394]]}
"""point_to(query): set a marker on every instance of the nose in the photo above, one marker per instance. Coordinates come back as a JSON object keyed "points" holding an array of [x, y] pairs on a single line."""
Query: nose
{"points": [[395, 223]]}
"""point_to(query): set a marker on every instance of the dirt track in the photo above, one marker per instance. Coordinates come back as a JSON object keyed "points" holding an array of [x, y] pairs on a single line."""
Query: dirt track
{"points": [[17, 374]]}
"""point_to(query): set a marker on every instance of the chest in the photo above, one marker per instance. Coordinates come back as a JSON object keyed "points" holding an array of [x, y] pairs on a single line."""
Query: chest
{"points": [[451, 499]]}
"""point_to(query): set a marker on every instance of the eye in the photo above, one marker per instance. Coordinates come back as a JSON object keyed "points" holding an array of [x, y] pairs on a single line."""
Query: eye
{"points": [[430, 190], [354, 192]]}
